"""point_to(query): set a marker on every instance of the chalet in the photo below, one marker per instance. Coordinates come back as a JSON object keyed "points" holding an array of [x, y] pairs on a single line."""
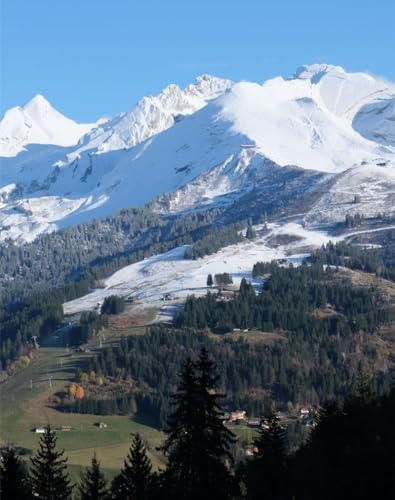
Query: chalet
{"points": [[234, 416], [40, 430]]}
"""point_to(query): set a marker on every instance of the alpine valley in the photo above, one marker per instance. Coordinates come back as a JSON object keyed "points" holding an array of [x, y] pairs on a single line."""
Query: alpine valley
{"points": [[253, 220]]}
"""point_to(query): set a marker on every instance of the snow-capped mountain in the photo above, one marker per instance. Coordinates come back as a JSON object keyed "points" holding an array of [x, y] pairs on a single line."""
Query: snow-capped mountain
{"points": [[212, 143], [152, 115], [37, 123]]}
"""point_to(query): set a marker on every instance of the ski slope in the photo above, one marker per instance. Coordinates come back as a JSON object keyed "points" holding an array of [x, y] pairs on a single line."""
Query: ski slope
{"points": [[149, 280]]}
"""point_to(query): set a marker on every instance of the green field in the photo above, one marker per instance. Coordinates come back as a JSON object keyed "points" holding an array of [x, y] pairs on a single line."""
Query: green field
{"points": [[25, 404]]}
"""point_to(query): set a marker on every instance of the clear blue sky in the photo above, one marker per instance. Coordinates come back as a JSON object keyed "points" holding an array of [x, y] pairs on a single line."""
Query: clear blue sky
{"points": [[97, 57]]}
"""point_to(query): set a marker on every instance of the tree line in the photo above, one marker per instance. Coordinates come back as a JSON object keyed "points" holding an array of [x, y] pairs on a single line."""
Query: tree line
{"points": [[287, 301], [378, 261]]}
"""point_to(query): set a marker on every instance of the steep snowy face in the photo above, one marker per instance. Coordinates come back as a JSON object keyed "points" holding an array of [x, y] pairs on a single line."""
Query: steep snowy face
{"points": [[340, 92], [153, 114], [307, 120], [37, 123], [375, 120]]}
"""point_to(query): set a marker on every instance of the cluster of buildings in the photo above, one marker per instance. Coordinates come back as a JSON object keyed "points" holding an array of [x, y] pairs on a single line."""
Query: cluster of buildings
{"points": [[306, 414]]}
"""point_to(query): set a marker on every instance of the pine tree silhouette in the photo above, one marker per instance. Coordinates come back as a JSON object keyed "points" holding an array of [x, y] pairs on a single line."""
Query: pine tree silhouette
{"points": [[93, 485], [266, 474], [198, 444], [49, 477], [136, 480], [13, 478]]}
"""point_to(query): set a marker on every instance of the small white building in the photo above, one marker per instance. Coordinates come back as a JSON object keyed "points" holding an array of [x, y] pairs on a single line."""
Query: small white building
{"points": [[237, 415], [40, 430]]}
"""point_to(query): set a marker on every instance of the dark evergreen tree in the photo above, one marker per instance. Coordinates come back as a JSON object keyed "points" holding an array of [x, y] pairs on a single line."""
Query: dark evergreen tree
{"points": [[13, 477], [266, 474], [223, 279], [136, 480], [361, 392], [250, 233], [113, 305], [93, 485], [350, 453], [210, 281], [198, 444], [48, 472]]}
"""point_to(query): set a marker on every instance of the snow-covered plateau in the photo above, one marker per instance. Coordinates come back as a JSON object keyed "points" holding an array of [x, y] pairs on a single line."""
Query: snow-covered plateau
{"points": [[208, 144]]}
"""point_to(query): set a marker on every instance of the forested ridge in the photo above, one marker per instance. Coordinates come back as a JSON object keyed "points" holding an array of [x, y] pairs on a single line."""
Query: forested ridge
{"points": [[37, 278], [380, 262], [286, 301], [311, 331]]}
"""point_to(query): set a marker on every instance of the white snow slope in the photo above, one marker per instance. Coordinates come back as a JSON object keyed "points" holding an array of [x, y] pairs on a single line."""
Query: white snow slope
{"points": [[149, 280], [204, 145], [170, 272]]}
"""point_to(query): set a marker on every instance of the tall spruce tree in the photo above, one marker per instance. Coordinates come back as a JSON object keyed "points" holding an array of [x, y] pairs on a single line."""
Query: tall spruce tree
{"points": [[49, 476], [250, 233], [198, 444], [266, 474], [93, 485], [13, 477], [136, 480]]}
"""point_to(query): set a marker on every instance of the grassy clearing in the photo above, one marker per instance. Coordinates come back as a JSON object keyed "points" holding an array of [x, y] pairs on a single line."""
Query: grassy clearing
{"points": [[25, 404]]}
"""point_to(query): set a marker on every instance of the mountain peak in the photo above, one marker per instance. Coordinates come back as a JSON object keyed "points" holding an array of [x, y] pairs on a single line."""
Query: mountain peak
{"points": [[37, 103], [210, 86], [38, 122]]}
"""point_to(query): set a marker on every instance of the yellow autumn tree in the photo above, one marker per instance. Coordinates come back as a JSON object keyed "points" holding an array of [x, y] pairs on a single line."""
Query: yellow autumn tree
{"points": [[72, 390], [92, 376], [80, 393], [24, 361], [84, 378]]}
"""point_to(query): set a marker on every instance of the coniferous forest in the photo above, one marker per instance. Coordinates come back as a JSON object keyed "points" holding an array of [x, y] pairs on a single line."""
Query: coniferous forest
{"points": [[298, 335], [349, 453], [293, 340]]}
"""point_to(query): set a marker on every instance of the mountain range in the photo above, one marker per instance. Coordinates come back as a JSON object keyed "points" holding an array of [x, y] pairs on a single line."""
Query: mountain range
{"points": [[324, 134]]}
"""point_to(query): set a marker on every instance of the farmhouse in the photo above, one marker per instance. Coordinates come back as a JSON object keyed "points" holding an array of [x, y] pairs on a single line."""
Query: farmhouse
{"points": [[237, 415]]}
